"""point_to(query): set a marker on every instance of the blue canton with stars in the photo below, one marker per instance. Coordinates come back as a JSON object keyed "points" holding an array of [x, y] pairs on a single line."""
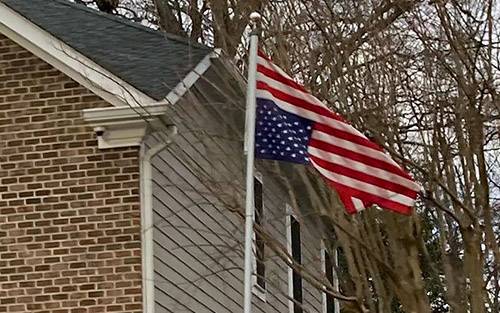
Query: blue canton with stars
{"points": [[280, 135]]}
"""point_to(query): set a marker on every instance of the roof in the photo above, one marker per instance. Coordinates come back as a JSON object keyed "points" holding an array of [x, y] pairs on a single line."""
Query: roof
{"points": [[151, 61]]}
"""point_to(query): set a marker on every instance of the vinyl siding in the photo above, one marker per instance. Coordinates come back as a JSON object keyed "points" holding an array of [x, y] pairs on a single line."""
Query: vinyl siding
{"points": [[198, 241]]}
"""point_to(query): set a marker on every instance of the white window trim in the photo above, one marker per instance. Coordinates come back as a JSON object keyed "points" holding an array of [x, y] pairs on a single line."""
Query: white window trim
{"points": [[335, 277], [257, 290], [289, 214]]}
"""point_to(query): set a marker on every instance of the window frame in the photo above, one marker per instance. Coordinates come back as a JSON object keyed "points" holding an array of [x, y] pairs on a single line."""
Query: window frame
{"points": [[257, 289], [334, 281], [290, 217]]}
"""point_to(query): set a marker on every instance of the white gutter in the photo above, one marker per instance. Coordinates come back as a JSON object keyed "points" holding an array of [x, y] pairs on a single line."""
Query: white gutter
{"points": [[147, 223]]}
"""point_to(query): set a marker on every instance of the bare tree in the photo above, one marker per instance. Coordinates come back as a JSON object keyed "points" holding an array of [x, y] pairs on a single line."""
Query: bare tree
{"points": [[422, 79]]}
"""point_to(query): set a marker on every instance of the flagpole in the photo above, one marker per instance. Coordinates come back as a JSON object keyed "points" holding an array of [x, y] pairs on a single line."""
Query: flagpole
{"points": [[250, 152]]}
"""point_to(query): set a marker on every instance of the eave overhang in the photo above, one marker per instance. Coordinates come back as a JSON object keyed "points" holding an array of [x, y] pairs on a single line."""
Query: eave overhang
{"points": [[117, 127]]}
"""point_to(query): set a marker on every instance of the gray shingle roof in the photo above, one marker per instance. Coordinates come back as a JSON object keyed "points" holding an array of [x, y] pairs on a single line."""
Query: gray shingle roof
{"points": [[151, 61]]}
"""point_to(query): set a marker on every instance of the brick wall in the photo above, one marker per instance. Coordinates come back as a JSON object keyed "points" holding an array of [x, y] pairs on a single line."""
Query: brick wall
{"points": [[69, 212]]}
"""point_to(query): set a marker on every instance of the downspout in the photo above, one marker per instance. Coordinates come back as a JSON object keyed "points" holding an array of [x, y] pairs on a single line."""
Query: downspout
{"points": [[147, 224]]}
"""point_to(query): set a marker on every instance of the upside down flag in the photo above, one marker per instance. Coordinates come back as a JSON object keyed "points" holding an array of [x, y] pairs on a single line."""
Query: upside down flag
{"points": [[294, 126]]}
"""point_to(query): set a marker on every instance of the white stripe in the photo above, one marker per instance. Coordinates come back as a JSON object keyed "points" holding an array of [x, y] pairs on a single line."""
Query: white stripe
{"points": [[306, 97], [361, 167], [352, 146], [358, 204], [315, 117], [327, 121], [271, 66], [364, 187], [262, 93], [376, 154], [290, 90], [302, 95]]}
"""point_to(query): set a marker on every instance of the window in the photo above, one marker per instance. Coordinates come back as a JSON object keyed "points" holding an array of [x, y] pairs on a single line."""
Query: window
{"points": [[260, 246], [294, 278], [331, 305]]}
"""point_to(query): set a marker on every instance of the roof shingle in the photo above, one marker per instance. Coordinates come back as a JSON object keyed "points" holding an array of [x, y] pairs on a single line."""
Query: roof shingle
{"points": [[151, 61]]}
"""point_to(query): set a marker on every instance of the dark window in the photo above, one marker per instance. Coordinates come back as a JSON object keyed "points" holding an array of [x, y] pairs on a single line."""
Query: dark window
{"points": [[297, 257], [259, 241], [330, 301]]}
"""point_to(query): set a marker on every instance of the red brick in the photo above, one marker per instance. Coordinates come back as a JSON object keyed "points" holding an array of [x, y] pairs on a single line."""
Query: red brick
{"points": [[56, 189]]}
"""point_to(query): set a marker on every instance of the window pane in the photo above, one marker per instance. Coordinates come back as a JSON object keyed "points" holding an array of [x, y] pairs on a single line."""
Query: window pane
{"points": [[297, 257], [259, 241], [330, 302]]}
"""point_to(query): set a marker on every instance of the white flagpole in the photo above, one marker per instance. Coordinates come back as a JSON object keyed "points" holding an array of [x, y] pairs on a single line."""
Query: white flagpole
{"points": [[250, 151]]}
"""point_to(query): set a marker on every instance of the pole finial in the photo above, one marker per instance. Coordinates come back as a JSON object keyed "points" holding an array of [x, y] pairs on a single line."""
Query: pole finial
{"points": [[255, 18]]}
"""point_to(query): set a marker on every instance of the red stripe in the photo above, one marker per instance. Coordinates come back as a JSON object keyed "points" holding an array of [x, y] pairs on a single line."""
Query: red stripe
{"points": [[322, 127], [263, 55], [347, 136], [364, 177], [345, 193], [298, 102], [330, 147], [280, 78]]}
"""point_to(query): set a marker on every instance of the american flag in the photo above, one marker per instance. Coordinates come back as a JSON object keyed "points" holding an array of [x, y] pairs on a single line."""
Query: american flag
{"points": [[294, 126]]}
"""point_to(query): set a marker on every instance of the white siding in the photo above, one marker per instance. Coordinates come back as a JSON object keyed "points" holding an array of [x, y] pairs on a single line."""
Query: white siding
{"points": [[198, 242]]}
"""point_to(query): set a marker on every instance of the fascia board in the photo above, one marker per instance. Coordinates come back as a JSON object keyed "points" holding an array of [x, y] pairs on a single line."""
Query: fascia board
{"points": [[101, 115], [191, 78]]}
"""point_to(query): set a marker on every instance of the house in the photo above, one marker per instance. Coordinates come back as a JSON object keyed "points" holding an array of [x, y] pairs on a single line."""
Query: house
{"points": [[121, 174]]}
